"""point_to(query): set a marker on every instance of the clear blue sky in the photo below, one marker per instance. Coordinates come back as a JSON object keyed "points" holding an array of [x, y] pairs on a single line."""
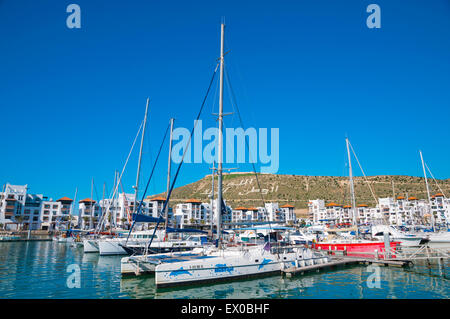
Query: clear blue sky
{"points": [[71, 100]]}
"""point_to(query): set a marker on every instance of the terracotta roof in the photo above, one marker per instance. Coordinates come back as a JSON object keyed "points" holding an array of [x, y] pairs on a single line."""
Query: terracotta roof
{"points": [[363, 205], [348, 206], [412, 198], [400, 197], [158, 198], [332, 205], [439, 195], [252, 208], [87, 200], [193, 201], [240, 208], [287, 206], [64, 199]]}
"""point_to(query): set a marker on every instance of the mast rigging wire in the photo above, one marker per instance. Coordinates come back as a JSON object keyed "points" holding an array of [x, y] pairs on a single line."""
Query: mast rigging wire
{"points": [[184, 154]]}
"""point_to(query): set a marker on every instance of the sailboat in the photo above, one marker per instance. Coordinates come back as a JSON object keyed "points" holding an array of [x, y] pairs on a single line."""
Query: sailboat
{"points": [[355, 245], [68, 236], [93, 242], [435, 239], [153, 241], [112, 246], [210, 264]]}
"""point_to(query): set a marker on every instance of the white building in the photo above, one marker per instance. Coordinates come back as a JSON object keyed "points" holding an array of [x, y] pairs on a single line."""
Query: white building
{"points": [[274, 213], [195, 213], [440, 209], [18, 209], [289, 214], [395, 211], [55, 215], [316, 210], [89, 213], [192, 212]]}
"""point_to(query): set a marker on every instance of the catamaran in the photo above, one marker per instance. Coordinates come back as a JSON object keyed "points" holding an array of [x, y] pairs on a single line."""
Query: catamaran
{"points": [[221, 262]]}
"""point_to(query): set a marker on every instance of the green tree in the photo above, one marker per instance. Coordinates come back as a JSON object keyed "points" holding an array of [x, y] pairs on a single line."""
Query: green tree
{"points": [[86, 220], [19, 220]]}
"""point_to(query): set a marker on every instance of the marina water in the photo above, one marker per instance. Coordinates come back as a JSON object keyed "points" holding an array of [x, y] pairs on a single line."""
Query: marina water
{"points": [[42, 269]]}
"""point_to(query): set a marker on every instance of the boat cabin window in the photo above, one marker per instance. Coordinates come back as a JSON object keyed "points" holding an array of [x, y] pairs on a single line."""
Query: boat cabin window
{"points": [[381, 234]]}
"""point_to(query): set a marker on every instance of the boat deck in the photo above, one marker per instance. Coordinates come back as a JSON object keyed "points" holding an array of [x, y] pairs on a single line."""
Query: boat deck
{"points": [[157, 259]]}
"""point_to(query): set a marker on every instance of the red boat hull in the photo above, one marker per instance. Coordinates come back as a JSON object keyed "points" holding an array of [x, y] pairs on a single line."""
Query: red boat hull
{"points": [[366, 247]]}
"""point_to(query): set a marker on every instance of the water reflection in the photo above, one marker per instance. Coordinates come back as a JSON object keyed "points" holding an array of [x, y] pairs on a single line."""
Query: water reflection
{"points": [[39, 270]]}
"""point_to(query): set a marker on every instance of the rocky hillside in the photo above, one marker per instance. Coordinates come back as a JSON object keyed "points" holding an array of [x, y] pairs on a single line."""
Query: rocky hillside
{"points": [[242, 189]]}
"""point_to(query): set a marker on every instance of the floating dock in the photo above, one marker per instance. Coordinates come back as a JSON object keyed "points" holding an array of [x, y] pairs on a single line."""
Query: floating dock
{"points": [[343, 261]]}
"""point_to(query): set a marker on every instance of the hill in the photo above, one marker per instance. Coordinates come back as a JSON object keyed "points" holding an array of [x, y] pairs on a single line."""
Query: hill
{"points": [[242, 189]]}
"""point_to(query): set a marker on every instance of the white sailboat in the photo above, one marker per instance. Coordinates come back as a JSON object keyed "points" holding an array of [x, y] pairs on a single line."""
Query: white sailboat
{"points": [[435, 239], [225, 263]]}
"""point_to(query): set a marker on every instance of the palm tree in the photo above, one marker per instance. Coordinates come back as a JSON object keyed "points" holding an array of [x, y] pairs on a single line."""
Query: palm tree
{"points": [[85, 219], [19, 220], [123, 220]]}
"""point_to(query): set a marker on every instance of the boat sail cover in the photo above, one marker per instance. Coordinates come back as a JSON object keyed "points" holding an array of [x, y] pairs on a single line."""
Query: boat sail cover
{"points": [[140, 218]]}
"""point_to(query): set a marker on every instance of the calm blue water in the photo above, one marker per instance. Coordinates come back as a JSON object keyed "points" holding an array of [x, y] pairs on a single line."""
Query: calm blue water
{"points": [[39, 270]]}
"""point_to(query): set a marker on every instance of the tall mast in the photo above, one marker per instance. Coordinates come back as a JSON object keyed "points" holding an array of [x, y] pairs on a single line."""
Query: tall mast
{"points": [[72, 207], [108, 216], [395, 204], [220, 152], [166, 213], [212, 199], [92, 206], [103, 201], [425, 175], [352, 188], [136, 188], [428, 190]]}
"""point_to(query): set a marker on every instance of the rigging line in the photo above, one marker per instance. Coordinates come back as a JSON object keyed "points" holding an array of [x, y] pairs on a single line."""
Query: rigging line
{"points": [[368, 184], [184, 153], [242, 124], [96, 194], [227, 80], [434, 179], [215, 98], [102, 207], [123, 169], [148, 182], [95, 190]]}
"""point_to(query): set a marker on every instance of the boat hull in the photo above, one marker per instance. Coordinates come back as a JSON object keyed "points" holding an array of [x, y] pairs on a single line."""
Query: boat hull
{"points": [[215, 268], [90, 246], [356, 247], [109, 247], [409, 242]]}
